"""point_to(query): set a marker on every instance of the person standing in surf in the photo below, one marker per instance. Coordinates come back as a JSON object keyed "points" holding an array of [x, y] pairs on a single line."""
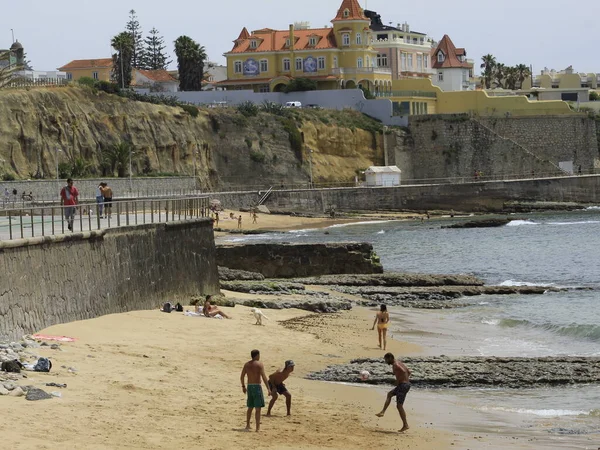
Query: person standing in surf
{"points": [[382, 320]]}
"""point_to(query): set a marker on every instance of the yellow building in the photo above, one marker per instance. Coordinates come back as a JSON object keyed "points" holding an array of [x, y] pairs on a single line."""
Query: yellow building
{"points": [[335, 57], [98, 69]]}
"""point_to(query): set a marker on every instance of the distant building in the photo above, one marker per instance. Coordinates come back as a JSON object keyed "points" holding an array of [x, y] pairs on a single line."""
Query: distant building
{"points": [[213, 75], [155, 80], [383, 176], [452, 70], [337, 57], [13, 56], [564, 79], [98, 69], [406, 52]]}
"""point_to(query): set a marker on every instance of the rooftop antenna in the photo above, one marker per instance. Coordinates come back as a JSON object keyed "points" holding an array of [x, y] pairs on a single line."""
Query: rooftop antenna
{"points": [[13, 35]]}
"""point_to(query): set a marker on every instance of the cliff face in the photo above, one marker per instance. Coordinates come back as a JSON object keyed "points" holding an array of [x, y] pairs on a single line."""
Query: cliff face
{"points": [[230, 149]]}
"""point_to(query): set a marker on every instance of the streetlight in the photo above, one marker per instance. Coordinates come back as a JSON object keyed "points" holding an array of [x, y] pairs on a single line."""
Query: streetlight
{"points": [[194, 153], [56, 160], [130, 181], [310, 165]]}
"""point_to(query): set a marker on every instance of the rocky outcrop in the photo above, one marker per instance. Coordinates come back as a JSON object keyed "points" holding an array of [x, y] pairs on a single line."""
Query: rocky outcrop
{"points": [[293, 260], [484, 223], [226, 274], [392, 279], [473, 371]]}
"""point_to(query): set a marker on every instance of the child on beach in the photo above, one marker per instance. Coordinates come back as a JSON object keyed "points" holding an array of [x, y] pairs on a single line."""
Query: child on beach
{"points": [[382, 319]]}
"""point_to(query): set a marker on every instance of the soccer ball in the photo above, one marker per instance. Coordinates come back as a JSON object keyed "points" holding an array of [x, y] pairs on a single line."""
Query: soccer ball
{"points": [[364, 375]]}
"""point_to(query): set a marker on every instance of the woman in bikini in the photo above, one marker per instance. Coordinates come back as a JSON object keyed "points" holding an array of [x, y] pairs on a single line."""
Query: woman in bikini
{"points": [[382, 319], [212, 310]]}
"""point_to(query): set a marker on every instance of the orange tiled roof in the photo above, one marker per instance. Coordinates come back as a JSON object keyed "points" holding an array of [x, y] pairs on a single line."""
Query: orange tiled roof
{"points": [[354, 9], [102, 63], [451, 55], [243, 35], [160, 76], [275, 40]]}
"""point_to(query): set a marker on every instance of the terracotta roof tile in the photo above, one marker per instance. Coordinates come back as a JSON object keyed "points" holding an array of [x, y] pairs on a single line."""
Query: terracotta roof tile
{"points": [[243, 35], [451, 55], [275, 40], [354, 9], [102, 63], [160, 76]]}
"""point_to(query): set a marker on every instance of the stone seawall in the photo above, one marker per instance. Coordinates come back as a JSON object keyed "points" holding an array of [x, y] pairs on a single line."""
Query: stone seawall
{"points": [[58, 279], [299, 260]]}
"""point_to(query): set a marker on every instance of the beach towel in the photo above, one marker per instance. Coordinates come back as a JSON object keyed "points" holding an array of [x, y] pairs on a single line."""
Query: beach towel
{"points": [[195, 314], [46, 337]]}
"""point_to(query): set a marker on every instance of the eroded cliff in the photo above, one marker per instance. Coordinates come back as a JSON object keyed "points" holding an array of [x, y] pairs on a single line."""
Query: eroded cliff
{"points": [[225, 147]]}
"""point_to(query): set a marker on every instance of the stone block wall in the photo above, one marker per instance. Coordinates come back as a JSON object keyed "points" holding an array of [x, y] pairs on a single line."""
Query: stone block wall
{"points": [[58, 279]]}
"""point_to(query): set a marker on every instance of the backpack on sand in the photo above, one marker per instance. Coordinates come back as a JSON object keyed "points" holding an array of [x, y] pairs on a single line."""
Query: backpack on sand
{"points": [[178, 307], [13, 366], [43, 365], [167, 307]]}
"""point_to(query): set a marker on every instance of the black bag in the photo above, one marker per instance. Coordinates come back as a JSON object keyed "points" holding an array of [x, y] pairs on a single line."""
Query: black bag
{"points": [[178, 307], [167, 307], [43, 365], [13, 366]]}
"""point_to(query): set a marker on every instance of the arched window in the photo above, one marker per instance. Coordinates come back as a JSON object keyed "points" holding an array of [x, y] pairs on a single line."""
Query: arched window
{"points": [[358, 38], [345, 39], [346, 13], [359, 62]]}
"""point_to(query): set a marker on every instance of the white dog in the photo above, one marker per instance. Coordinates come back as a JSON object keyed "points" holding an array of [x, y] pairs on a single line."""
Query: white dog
{"points": [[258, 315]]}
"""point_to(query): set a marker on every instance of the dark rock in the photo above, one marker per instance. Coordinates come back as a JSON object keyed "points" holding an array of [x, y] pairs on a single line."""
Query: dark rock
{"points": [[272, 286], [392, 279], [34, 394], [226, 274], [485, 223]]}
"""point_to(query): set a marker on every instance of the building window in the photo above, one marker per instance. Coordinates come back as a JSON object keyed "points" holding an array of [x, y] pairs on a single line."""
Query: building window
{"points": [[425, 61], [264, 88], [237, 67], [335, 62], [253, 44], [368, 62], [359, 63], [346, 13], [345, 39], [298, 63], [419, 62], [321, 63], [312, 41], [264, 65], [358, 38], [410, 61], [95, 75], [403, 61], [440, 56], [440, 76], [69, 76], [288, 42], [382, 37], [382, 60], [286, 65]]}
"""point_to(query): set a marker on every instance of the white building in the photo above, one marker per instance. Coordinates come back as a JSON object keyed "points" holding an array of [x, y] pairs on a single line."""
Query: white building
{"points": [[383, 176], [40, 75], [155, 80], [452, 70]]}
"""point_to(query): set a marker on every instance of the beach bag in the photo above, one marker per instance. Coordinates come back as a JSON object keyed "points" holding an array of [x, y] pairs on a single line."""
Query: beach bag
{"points": [[13, 366], [43, 365], [178, 307], [167, 307]]}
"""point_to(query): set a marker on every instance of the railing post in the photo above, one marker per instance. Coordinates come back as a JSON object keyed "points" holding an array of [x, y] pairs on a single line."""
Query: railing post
{"points": [[43, 231], [89, 219], [151, 211], [118, 214], [52, 213], [135, 203], [32, 225], [80, 219], [127, 213], [167, 210], [144, 210], [10, 226], [21, 223], [62, 221]]}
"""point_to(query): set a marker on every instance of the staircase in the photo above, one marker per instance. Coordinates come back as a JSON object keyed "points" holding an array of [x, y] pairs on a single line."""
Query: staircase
{"points": [[265, 196]]}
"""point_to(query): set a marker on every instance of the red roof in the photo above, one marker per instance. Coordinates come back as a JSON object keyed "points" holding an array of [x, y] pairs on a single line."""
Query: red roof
{"points": [[275, 40], [102, 63], [160, 76], [243, 35], [355, 12], [451, 54]]}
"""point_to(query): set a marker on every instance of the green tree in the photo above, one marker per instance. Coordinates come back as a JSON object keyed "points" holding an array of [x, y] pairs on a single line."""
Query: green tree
{"points": [[137, 50], [594, 96], [154, 56], [7, 72], [301, 84], [116, 158], [500, 74], [122, 69], [523, 72], [512, 78], [489, 66], [190, 63]]}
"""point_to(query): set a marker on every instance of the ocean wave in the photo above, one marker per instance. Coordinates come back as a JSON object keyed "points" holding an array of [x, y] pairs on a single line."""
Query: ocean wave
{"points": [[584, 222], [575, 330], [367, 222], [524, 283], [539, 412], [306, 230], [491, 321], [592, 208], [518, 223], [381, 232]]}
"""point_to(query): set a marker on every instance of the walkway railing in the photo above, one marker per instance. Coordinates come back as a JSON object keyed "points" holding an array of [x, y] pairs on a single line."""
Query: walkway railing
{"points": [[19, 223]]}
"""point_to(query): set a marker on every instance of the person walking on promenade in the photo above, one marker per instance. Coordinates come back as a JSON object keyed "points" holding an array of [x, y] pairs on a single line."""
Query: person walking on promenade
{"points": [[107, 193], [402, 374], [69, 199], [277, 387], [255, 371], [240, 222], [99, 200], [382, 319]]}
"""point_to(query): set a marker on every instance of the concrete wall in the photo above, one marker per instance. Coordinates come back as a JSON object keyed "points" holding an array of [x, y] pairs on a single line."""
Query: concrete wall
{"points": [[380, 109], [46, 281], [476, 196]]}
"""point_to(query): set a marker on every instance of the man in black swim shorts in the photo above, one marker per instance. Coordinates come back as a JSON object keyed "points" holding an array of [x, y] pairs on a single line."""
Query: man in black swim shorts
{"points": [[402, 374], [278, 388]]}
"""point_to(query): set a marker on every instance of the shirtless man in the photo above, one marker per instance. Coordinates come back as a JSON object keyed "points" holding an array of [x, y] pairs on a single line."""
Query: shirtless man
{"points": [[278, 388], [402, 374], [255, 370]]}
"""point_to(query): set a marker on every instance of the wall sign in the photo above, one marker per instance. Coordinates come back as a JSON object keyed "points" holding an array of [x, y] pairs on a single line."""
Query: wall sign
{"points": [[251, 67], [310, 64]]}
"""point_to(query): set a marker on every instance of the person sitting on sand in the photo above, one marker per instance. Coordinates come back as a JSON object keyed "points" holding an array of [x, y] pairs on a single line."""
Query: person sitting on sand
{"points": [[402, 374], [232, 216], [382, 319], [211, 310], [277, 387]]}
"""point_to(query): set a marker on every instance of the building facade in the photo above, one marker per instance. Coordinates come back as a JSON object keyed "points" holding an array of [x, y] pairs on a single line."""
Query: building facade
{"points": [[405, 52], [98, 69], [337, 57], [452, 70], [155, 80], [564, 79]]}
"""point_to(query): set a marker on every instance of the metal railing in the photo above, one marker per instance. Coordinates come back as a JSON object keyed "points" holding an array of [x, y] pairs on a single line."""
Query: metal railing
{"points": [[35, 221]]}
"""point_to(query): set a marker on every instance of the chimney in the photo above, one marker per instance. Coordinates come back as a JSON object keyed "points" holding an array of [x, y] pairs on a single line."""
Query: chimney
{"points": [[407, 27], [292, 40]]}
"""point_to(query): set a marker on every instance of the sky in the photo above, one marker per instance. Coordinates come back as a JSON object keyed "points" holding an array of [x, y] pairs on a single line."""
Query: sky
{"points": [[542, 34]]}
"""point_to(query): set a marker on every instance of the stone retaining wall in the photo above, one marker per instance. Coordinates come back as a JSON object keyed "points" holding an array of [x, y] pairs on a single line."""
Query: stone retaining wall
{"points": [[58, 279]]}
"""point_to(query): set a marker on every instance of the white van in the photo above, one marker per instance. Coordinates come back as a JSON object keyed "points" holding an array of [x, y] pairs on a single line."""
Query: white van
{"points": [[293, 105]]}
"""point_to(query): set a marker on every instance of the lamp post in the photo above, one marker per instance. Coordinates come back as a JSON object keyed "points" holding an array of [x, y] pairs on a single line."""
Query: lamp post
{"points": [[310, 165], [58, 150], [130, 180], [194, 153]]}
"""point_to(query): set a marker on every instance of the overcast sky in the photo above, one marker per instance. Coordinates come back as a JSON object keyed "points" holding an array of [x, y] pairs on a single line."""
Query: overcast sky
{"points": [[548, 34]]}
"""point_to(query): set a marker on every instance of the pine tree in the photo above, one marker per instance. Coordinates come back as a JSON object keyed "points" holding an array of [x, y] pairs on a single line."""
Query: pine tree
{"points": [[154, 57], [134, 29]]}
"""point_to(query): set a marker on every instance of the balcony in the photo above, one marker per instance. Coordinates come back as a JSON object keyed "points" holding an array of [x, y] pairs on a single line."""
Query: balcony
{"points": [[361, 71]]}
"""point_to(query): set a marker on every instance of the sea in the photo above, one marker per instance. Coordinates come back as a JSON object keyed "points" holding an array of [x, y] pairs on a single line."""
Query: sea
{"points": [[540, 249]]}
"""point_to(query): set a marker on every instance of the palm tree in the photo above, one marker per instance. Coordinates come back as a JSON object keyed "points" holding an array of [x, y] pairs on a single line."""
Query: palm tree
{"points": [[190, 63], [489, 65], [116, 158], [523, 72], [511, 78], [499, 74], [123, 44], [7, 73]]}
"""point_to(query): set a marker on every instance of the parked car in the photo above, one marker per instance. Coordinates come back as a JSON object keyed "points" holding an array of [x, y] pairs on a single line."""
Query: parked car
{"points": [[293, 105]]}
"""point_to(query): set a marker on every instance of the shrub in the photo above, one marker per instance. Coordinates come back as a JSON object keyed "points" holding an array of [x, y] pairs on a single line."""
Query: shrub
{"points": [[214, 123], [7, 176], [108, 87], [294, 136], [300, 85], [594, 96], [248, 109], [272, 107], [191, 110], [87, 81], [248, 142], [367, 93], [257, 156]]}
